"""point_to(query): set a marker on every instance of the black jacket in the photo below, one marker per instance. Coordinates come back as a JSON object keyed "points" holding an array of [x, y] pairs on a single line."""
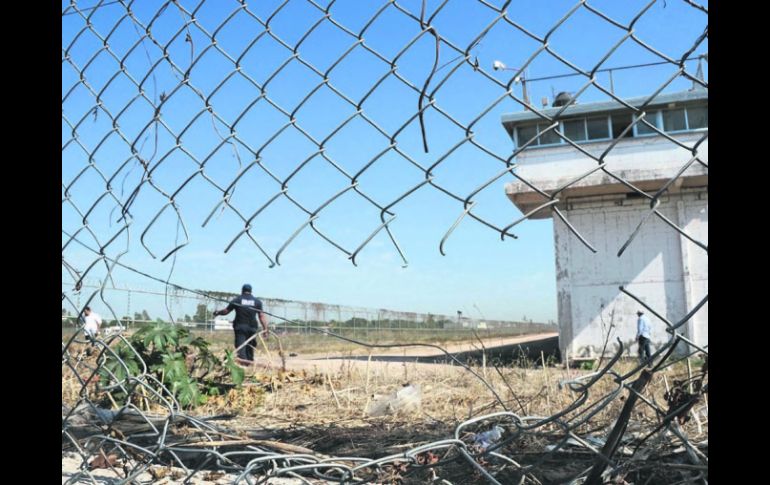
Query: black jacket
{"points": [[246, 307]]}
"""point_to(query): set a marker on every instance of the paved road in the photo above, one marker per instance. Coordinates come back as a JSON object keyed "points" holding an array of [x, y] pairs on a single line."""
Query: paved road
{"points": [[389, 356]]}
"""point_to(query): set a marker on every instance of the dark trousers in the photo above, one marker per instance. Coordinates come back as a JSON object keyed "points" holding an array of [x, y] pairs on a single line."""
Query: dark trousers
{"points": [[644, 349], [242, 334]]}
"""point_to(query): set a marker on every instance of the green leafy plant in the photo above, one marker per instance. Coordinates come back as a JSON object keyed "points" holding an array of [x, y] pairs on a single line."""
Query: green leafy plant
{"points": [[123, 364], [184, 364], [236, 373]]}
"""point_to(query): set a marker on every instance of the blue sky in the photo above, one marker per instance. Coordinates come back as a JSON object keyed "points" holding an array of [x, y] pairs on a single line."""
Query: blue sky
{"points": [[504, 279]]}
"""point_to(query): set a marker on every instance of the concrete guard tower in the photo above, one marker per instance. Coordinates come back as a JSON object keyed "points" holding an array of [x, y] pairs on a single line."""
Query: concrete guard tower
{"points": [[668, 272]]}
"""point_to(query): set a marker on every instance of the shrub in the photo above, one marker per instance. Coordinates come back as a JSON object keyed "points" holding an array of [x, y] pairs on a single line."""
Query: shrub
{"points": [[183, 363]]}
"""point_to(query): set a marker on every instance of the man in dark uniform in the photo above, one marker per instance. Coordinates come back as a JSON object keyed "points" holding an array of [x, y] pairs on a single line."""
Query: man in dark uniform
{"points": [[246, 309]]}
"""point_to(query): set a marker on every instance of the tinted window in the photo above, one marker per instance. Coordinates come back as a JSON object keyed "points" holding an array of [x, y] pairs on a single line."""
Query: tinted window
{"points": [[651, 118], [550, 137], [619, 123], [698, 117], [526, 133], [673, 120], [597, 128], [575, 130]]}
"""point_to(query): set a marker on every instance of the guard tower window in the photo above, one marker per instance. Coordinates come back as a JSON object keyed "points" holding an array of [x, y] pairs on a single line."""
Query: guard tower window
{"points": [[697, 117], [674, 120], [526, 133], [620, 122], [607, 127], [575, 130], [651, 117], [598, 128], [550, 137]]}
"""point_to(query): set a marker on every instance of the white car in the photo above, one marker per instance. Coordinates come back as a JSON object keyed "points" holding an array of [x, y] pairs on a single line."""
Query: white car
{"points": [[114, 330]]}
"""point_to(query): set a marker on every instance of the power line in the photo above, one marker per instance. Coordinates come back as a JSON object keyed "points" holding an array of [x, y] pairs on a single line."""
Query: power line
{"points": [[608, 69]]}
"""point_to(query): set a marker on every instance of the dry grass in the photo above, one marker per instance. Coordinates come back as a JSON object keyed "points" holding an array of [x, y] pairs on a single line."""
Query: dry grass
{"points": [[338, 392], [325, 411], [450, 394], [324, 408]]}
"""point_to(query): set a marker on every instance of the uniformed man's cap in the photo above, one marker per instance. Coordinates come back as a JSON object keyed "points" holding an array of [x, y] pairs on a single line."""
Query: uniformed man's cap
{"points": [[246, 287]]}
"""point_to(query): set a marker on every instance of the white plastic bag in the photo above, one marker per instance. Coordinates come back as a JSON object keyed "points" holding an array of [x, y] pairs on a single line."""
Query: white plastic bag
{"points": [[407, 399], [488, 438]]}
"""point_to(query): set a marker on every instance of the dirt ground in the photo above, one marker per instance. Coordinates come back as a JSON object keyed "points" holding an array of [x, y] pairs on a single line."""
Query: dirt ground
{"points": [[390, 358]]}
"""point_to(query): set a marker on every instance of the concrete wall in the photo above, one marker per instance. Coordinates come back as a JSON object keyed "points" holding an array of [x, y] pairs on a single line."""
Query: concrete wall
{"points": [[646, 162], [634, 159], [666, 270]]}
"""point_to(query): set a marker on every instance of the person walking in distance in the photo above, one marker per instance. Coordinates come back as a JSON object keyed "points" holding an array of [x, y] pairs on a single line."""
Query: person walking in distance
{"points": [[643, 336], [91, 323], [246, 307]]}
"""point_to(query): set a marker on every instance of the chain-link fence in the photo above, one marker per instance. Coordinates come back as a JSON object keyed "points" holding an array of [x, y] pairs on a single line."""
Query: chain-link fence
{"points": [[338, 115], [196, 310]]}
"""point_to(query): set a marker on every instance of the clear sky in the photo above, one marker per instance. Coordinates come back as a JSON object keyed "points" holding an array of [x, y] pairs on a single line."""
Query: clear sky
{"points": [[480, 274]]}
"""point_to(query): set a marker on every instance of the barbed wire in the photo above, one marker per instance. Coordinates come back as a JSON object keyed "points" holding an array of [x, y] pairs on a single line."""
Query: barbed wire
{"points": [[126, 131]]}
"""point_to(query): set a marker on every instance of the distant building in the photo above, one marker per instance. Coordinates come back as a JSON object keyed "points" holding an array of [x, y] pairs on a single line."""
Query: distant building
{"points": [[668, 271]]}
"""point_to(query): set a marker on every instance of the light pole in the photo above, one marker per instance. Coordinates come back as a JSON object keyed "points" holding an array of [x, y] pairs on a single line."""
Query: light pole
{"points": [[499, 66]]}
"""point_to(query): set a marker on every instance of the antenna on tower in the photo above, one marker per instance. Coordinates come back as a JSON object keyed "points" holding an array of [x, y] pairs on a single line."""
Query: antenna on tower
{"points": [[699, 72]]}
